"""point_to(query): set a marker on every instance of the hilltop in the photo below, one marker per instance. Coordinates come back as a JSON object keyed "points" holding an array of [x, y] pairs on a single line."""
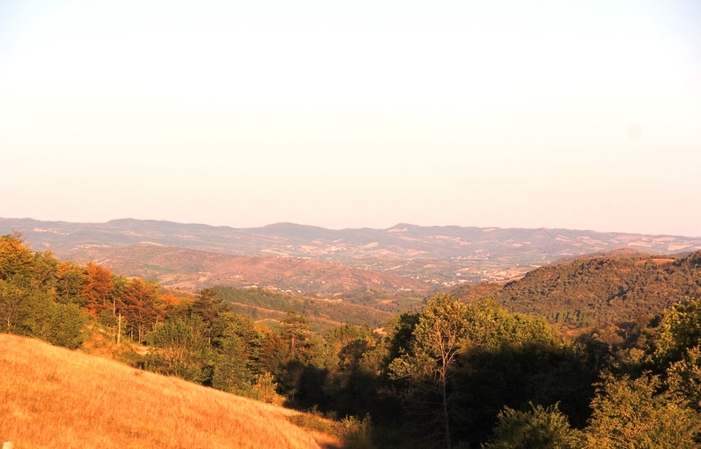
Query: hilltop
{"points": [[53, 397], [598, 290]]}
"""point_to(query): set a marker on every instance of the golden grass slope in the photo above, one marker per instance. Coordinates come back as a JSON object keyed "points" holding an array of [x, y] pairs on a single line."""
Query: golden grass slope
{"points": [[51, 397]]}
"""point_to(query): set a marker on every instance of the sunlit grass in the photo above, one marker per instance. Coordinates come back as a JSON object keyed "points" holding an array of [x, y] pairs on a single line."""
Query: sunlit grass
{"points": [[52, 397]]}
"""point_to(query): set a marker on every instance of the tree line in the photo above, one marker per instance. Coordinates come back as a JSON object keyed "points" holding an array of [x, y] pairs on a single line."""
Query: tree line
{"points": [[451, 374], [51, 299]]}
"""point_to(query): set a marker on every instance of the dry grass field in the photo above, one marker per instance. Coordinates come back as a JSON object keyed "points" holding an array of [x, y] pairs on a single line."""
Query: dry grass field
{"points": [[51, 397]]}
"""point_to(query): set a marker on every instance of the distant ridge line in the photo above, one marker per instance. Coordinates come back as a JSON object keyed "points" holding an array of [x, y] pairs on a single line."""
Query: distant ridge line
{"points": [[288, 224]]}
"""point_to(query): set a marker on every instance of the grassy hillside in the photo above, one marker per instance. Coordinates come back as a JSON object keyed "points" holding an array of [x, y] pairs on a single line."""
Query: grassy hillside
{"points": [[51, 397], [598, 291]]}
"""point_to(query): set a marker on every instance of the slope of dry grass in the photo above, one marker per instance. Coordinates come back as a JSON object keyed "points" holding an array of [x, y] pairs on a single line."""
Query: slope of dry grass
{"points": [[52, 397]]}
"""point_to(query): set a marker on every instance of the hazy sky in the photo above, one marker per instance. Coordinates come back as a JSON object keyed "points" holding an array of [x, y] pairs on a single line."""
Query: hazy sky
{"points": [[582, 115]]}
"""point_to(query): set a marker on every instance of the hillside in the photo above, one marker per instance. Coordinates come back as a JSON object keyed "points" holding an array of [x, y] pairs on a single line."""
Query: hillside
{"points": [[598, 290], [441, 255], [322, 314], [193, 270], [53, 398]]}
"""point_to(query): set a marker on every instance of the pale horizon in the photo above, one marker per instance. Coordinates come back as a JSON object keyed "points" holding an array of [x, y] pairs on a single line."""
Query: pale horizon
{"points": [[347, 228], [500, 114]]}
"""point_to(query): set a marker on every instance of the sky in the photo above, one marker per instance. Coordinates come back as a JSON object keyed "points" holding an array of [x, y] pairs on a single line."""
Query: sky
{"points": [[580, 115]]}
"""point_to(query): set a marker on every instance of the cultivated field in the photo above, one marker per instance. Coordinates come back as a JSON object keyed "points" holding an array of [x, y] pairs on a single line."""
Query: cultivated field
{"points": [[54, 398]]}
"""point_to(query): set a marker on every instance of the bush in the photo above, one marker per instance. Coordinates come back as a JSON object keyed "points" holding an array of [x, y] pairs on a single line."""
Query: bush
{"points": [[539, 428]]}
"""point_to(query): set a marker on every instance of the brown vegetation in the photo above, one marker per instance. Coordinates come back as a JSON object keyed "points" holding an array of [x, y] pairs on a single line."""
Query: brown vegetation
{"points": [[435, 255], [52, 397], [189, 269]]}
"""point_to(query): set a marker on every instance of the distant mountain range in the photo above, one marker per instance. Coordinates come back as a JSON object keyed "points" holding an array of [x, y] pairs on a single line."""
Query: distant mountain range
{"points": [[407, 257]]}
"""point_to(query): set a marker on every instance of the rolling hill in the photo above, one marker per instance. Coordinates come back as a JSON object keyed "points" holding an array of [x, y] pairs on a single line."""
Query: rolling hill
{"points": [[192, 270], [598, 290], [440, 255], [53, 397]]}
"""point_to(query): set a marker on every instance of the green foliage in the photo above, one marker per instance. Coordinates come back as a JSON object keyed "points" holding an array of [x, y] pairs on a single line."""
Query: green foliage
{"points": [[354, 363], [27, 310], [597, 291], [429, 365], [684, 377], [209, 306], [70, 282], [181, 352], [538, 428], [640, 414], [236, 344], [436, 339], [445, 374], [322, 314], [679, 330], [490, 326], [357, 433], [399, 333], [60, 325], [500, 359], [265, 388]]}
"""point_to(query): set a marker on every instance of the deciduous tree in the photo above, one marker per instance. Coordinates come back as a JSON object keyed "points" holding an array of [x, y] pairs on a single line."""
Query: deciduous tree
{"points": [[429, 365], [639, 414]]}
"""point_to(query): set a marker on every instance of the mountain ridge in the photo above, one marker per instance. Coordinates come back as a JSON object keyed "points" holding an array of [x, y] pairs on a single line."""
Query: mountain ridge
{"points": [[441, 255]]}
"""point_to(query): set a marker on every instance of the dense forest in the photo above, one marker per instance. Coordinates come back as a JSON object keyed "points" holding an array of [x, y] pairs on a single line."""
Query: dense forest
{"points": [[452, 374], [597, 291]]}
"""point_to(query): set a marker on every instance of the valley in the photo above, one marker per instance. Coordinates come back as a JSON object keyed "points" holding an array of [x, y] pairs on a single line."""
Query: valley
{"points": [[404, 259], [362, 363]]}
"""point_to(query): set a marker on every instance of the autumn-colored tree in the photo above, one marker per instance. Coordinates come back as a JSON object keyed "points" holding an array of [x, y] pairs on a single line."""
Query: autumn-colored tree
{"points": [[140, 307], [170, 300], [97, 289], [15, 257]]}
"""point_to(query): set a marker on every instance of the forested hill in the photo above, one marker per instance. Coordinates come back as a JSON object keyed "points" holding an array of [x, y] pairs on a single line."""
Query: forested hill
{"points": [[598, 291]]}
